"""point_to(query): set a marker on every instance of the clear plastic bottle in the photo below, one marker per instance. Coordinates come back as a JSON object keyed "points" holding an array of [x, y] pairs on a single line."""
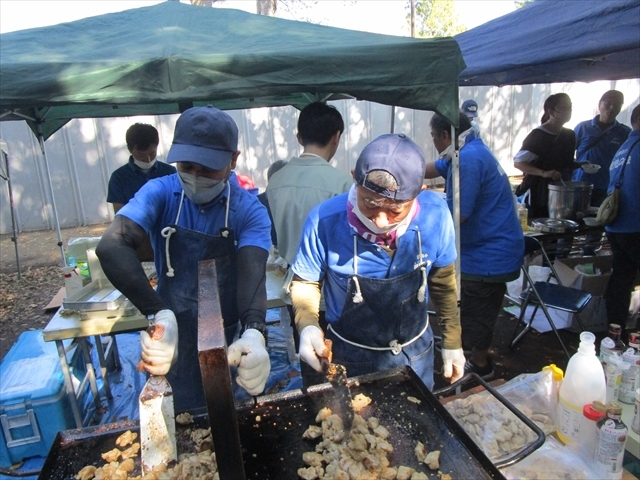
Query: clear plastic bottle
{"points": [[614, 369], [523, 216], [611, 441], [635, 425], [583, 383], [588, 440], [630, 379], [612, 344]]}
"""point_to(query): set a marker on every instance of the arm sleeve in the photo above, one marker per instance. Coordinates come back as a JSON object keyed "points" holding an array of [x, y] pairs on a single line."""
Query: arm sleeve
{"points": [[251, 290], [443, 293], [305, 297], [117, 254]]}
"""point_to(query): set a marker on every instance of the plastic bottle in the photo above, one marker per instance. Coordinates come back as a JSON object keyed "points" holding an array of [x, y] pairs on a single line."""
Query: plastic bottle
{"points": [[614, 369], [611, 441], [523, 216], [588, 440], [630, 379], [72, 280], [635, 425], [556, 375], [583, 383], [612, 344]]}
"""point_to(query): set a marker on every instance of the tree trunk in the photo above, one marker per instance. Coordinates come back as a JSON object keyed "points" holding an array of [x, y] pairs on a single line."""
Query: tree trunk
{"points": [[266, 7], [203, 3]]}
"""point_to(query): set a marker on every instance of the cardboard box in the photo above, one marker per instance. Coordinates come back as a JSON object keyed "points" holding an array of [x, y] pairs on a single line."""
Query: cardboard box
{"points": [[596, 285]]}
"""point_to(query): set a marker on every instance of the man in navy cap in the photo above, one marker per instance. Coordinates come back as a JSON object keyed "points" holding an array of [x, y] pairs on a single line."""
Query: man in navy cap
{"points": [[470, 109], [379, 252], [193, 215]]}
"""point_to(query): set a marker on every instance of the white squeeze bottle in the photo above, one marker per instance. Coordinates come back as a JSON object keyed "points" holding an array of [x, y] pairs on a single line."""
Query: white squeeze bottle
{"points": [[583, 383]]}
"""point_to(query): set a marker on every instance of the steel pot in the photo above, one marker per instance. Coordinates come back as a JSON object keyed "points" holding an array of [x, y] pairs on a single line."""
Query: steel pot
{"points": [[569, 200]]}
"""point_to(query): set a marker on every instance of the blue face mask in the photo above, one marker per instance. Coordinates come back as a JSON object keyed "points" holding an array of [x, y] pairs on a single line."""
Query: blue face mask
{"points": [[201, 190]]}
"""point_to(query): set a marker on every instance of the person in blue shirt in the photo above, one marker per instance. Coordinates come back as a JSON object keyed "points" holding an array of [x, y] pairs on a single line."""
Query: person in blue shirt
{"points": [[624, 232], [142, 142], [597, 141], [491, 238], [379, 252], [195, 214]]}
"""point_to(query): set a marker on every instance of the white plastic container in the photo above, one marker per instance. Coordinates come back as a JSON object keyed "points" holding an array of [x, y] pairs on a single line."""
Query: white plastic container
{"points": [[583, 383]]}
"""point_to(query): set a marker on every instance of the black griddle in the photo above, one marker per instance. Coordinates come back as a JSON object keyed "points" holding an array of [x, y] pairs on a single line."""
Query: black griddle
{"points": [[271, 431]]}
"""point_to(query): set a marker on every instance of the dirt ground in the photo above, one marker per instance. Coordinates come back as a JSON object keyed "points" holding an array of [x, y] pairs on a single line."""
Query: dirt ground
{"points": [[22, 302]]}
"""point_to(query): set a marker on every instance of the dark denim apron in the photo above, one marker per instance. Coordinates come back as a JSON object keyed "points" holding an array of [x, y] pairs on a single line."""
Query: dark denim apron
{"points": [[180, 293], [381, 316]]}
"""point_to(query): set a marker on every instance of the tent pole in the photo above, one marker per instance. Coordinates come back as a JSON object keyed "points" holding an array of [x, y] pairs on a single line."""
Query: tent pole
{"points": [[14, 239], [53, 198], [455, 171], [393, 118]]}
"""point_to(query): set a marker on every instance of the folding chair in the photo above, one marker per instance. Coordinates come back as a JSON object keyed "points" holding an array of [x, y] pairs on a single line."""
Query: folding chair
{"points": [[546, 295]]}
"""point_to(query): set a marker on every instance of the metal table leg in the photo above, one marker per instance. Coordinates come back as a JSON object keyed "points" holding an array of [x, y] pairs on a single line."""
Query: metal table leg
{"points": [[91, 374], [113, 350], [103, 365], [68, 383]]}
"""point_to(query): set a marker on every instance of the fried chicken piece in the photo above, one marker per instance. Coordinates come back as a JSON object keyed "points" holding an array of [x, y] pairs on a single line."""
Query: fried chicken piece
{"points": [[312, 459], [87, 473], [131, 452], [111, 455], [310, 473], [323, 414], [127, 465], [404, 473], [312, 432], [184, 418], [126, 438], [433, 460]]}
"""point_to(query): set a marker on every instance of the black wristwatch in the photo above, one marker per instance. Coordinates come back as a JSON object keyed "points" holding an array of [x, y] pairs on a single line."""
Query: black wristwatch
{"points": [[260, 326]]}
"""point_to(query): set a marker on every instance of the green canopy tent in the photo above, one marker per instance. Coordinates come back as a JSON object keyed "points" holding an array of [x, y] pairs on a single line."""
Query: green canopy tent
{"points": [[168, 57]]}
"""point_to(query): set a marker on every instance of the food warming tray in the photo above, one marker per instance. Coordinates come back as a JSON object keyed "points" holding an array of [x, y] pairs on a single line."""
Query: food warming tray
{"points": [[97, 295], [554, 225], [271, 431]]}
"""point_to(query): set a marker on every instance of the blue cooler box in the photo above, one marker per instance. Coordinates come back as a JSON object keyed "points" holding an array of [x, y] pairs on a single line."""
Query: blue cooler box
{"points": [[34, 405]]}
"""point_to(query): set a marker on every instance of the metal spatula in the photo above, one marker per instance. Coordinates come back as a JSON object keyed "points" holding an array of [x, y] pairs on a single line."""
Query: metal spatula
{"points": [[336, 375]]}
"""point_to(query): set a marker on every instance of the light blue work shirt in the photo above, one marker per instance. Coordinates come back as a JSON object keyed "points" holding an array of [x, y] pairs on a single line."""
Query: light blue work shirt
{"points": [[156, 204], [326, 250]]}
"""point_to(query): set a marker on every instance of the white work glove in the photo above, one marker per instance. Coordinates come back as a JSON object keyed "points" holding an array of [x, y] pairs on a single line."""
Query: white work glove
{"points": [[250, 355], [453, 361], [312, 346], [160, 343]]}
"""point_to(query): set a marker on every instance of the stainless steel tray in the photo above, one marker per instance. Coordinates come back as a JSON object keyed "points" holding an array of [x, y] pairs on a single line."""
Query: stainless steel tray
{"points": [[97, 295], [554, 225], [127, 309]]}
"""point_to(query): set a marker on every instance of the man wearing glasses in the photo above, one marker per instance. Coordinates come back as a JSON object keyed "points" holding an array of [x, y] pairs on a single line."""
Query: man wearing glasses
{"points": [[597, 141], [379, 252]]}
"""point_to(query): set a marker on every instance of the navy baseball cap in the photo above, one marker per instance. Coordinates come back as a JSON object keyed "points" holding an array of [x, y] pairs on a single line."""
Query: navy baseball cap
{"points": [[204, 135], [398, 155], [470, 108]]}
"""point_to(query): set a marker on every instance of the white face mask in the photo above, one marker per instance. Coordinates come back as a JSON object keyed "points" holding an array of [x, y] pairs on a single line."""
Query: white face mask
{"points": [[370, 225], [144, 165], [201, 190], [447, 152]]}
